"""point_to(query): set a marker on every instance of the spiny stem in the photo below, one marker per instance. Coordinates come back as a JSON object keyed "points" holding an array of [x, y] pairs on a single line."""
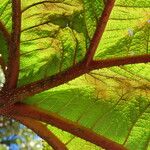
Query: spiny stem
{"points": [[31, 89], [99, 31], [14, 46]]}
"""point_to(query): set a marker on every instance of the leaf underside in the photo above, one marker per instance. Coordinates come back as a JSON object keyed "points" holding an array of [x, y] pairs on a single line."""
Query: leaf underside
{"points": [[55, 35]]}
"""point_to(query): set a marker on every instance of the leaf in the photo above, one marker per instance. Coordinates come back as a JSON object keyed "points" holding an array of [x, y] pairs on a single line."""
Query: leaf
{"points": [[127, 31], [5, 13], [113, 102], [135, 43], [71, 141], [119, 106], [56, 35], [5, 18], [58, 38]]}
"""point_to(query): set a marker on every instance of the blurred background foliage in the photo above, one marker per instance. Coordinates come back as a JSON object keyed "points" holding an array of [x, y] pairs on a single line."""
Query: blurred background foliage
{"points": [[15, 136]]}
